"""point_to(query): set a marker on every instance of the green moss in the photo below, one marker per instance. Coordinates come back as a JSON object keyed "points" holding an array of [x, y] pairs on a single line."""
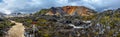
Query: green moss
{"points": [[43, 11], [1, 26], [46, 35], [118, 34], [42, 20], [29, 20]]}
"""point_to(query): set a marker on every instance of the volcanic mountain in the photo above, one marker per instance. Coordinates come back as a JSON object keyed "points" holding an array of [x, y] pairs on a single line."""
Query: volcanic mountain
{"points": [[70, 10]]}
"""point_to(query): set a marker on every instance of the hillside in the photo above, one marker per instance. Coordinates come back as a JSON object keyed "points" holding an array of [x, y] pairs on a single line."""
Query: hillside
{"points": [[69, 10], [5, 25], [2, 15], [104, 24]]}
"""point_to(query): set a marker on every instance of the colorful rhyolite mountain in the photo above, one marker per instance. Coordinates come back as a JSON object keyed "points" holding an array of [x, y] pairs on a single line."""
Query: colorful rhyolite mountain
{"points": [[70, 10]]}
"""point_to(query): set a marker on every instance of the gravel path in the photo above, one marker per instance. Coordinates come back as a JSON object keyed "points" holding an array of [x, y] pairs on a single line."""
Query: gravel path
{"points": [[17, 30]]}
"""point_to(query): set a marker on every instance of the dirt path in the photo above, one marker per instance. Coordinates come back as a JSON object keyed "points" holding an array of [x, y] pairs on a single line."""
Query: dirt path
{"points": [[16, 31]]}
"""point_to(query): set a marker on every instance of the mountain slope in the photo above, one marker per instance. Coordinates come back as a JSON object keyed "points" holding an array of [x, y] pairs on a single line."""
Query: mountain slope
{"points": [[69, 10], [1, 14]]}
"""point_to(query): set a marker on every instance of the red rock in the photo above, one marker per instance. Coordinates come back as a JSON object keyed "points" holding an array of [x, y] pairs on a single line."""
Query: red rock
{"points": [[71, 10]]}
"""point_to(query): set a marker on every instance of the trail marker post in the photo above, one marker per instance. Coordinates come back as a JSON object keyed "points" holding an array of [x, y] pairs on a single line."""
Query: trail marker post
{"points": [[34, 27]]}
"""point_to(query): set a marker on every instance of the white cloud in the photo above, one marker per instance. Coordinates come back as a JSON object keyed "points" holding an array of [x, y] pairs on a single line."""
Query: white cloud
{"points": [[8, 6], [6, 11]]}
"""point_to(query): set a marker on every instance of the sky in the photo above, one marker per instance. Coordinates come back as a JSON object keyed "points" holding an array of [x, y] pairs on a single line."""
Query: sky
{"points": [[29, 6]]}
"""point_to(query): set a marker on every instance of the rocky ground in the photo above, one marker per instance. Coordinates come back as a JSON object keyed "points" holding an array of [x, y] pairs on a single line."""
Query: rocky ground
{"points": [[16, 30], [104, 24], [71, 26], [5, 25]]}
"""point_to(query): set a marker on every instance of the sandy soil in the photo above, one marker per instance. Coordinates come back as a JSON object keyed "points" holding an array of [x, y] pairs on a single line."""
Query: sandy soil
{"points": [[17, 30]]}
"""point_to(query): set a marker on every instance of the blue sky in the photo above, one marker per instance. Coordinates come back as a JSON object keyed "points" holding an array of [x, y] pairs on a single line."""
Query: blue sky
{"points": [[29, 6], [0, 0]]}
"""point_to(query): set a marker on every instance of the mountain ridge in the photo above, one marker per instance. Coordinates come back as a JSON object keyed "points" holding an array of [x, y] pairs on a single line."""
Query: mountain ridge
{"points": [[71, 10]]}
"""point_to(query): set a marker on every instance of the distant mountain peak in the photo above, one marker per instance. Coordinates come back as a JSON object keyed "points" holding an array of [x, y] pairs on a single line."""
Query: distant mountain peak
{"points": [[70, 10]]}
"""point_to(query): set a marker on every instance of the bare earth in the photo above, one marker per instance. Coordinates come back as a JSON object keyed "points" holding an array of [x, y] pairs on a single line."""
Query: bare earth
{"points": [[16, 31]]}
